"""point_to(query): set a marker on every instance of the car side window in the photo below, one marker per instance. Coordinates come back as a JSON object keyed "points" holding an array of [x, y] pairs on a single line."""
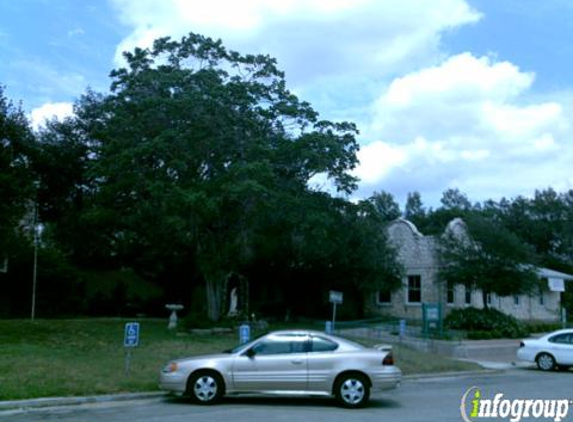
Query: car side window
{"points": [[562, 339], [281, 345], [321, 344]]}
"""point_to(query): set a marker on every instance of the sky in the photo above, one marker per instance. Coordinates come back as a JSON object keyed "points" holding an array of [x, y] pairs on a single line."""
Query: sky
{"points": [[475, 95]]}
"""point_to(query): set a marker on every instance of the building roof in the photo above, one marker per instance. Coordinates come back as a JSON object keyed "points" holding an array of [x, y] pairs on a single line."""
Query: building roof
{"points": [[548, 273]]}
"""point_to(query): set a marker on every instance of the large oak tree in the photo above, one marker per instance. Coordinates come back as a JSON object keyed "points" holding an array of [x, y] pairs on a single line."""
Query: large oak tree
{"points": [[201, 157]]}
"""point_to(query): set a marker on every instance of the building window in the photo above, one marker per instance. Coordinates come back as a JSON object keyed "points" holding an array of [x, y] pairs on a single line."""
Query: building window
{"points": [[468, 296], [516, 299], [414, 289], [384, 297], [450, 294], [488, 299]]}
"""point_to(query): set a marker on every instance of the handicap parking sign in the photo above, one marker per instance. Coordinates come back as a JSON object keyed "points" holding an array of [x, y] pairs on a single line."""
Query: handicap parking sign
{"points": [[131, 337]]}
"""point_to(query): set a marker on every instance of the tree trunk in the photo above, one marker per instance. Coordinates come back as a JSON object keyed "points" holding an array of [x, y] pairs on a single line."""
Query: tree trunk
{"points": [[484, 294], [214, 291]]}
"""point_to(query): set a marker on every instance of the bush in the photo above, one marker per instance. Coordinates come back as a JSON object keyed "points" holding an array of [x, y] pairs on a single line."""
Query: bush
{"points": [[485, 323], [543, 327]]}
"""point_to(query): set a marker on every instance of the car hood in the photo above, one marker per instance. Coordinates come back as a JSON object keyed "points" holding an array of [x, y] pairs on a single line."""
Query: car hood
{"points": [[216, 356]]}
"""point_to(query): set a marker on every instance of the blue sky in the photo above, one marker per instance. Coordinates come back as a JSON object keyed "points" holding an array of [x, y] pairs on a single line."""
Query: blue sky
{"points": [[468, 94]]}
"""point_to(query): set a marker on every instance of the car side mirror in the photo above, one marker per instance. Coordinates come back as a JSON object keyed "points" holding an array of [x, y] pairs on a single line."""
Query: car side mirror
{"points": [[250, 353]]}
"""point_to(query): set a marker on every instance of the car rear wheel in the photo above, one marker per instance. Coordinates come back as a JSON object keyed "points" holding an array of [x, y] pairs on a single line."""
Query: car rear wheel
{"points": [[352, 390], [205, 387], [545, 362]]}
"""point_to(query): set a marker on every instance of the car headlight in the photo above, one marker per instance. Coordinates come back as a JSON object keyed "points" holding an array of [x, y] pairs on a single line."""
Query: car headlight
{"points": [[170, 367]]}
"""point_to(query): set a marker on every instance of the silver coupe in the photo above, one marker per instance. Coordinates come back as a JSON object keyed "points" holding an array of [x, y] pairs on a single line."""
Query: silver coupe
{"points": [[298, 362]]}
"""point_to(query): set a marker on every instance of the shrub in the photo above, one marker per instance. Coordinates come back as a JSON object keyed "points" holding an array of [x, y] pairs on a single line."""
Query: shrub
{"points": [[485, 323], [542, 327]]}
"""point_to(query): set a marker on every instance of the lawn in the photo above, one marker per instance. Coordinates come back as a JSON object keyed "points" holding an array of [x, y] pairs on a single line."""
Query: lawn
{"points": [[49, 358]]}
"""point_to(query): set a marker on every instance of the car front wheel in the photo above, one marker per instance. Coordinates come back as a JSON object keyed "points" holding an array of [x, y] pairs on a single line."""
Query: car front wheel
{"points": [[545, 362], [352, 390], [205, 387]]}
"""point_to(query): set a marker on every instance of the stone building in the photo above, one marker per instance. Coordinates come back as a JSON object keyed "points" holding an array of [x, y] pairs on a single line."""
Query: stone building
{"points": [[418, 255]]}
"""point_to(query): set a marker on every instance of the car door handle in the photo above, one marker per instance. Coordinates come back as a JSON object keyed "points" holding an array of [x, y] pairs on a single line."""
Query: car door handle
{"points": [[296, 361]]}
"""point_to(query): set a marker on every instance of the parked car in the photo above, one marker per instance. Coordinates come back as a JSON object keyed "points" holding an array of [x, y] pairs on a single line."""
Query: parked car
{"points": [[287, 363], [552, 351]]}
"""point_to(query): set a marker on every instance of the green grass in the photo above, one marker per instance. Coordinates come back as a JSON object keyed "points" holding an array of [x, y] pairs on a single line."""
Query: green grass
{"points": [[49, 358], [413, 362], [84, 357]]}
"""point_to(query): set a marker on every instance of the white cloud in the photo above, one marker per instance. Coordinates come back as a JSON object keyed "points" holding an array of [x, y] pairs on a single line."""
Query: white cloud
{"points": [[465, 123], [49, 111], [311, 39]]}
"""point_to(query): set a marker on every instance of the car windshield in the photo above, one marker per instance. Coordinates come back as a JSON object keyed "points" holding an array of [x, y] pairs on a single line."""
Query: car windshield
{"points": [[244, 345]]}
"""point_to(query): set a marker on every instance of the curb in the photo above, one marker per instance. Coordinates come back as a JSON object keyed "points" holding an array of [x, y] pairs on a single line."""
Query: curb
{"points": [[69, 401], [454, 374]]}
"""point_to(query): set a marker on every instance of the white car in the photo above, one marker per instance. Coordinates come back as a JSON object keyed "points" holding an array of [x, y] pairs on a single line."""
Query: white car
{"points": [[552, 351]]}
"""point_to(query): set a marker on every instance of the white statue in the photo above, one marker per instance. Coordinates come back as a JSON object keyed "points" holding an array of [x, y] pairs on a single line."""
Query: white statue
{"points": [[173, 317], [233, 302]]}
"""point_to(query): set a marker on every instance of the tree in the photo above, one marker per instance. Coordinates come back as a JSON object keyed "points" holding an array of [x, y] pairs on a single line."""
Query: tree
{"points": [[194, 155], [414, 209], [385, 206], [453, 199], [482, 254], [17, 188]]}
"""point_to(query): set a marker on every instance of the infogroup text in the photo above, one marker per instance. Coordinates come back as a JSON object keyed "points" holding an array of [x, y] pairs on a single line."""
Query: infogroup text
{"points": [[474, 407]]}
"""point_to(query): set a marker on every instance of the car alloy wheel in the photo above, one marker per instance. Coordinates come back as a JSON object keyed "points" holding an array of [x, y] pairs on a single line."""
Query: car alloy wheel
{"points": [[205, 388], [353, 391], [545, 362]]}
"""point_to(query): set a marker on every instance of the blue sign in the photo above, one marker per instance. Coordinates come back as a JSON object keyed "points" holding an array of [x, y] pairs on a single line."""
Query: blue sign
{"points": [[328, 327], [244, 333], [131, 337]]}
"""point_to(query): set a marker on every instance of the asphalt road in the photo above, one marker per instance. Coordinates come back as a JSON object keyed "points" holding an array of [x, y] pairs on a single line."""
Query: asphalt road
{"points": [[426, 399]]}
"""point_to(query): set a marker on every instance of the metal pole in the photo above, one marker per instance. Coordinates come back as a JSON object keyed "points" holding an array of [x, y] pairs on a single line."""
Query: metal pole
{"points": [[333, 316], [35, 271], [127, 361]]}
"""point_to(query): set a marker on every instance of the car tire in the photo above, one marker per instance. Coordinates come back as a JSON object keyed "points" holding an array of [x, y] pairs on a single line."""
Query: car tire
{"points": [[545, 362], [205, 387], [352, 390]]}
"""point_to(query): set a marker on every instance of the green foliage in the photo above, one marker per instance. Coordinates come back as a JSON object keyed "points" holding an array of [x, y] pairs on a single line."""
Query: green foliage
{"points": [[453, 199], [482, 254], [196, 166], [485, 323], [17, 189], [543, 327], [385, 206], [414, 210]]}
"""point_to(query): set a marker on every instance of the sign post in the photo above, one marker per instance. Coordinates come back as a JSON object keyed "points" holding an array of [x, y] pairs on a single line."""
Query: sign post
{"points": [[244, 333], [336, 299], [130, 340], [402, 329], [432, 318]]}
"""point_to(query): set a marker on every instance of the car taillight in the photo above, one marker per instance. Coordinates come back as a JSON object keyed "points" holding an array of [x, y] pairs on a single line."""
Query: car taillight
{"points": [[388, 360], [521, 344]]}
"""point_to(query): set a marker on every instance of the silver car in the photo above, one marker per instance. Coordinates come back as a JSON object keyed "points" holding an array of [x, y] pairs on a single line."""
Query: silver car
{"points": [[287, 363]]}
